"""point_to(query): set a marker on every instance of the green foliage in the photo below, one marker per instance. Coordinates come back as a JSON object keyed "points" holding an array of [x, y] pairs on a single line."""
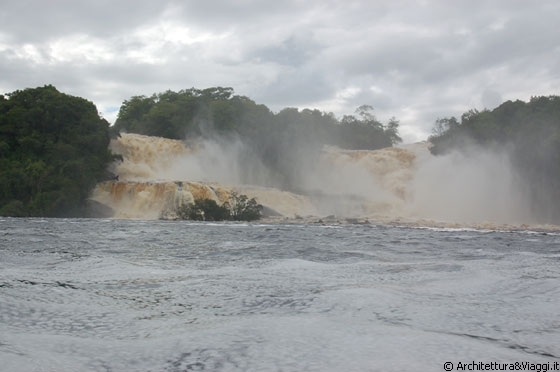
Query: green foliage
{"points": [[175, 115], [204, 210], [366, 132], [14, 208], [241, 208], [392, 131], [53, 150], [530, 129], [244, 209], [194, 112]]}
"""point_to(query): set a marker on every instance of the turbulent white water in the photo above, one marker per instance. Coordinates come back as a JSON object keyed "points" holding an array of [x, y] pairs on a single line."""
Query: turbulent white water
{"points": [[394, 184], [132, 295]]}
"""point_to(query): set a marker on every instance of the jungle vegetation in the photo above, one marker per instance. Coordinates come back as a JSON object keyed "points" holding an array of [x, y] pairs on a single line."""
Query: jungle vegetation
{"points": [[239, 208], [53, 150]]}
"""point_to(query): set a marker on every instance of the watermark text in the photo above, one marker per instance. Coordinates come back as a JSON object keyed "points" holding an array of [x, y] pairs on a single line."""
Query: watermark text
{"points": [[500, 366]]}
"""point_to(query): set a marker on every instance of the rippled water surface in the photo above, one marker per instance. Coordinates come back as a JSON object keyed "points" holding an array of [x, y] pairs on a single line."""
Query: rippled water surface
{"points": [[122, 295]]}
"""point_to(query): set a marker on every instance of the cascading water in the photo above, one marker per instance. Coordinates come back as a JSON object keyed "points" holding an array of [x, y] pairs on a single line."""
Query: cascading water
{"points": [[157, 175], [403, 184]]}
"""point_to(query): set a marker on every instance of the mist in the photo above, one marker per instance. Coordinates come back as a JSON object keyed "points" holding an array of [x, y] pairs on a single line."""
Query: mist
{"points": [[219, 159], [222, 160], [473, 185]]}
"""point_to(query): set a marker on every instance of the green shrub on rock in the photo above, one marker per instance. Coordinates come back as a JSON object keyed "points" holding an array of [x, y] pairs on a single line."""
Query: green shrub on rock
{"points": [[244, 209], [240, 208]]}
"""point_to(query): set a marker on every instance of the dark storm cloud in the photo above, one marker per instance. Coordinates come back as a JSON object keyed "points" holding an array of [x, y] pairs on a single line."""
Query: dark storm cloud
{"points": [[414, 60]]}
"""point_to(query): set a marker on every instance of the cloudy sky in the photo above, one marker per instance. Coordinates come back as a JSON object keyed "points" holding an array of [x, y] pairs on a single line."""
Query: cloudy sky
{"points": [[415, 60]]}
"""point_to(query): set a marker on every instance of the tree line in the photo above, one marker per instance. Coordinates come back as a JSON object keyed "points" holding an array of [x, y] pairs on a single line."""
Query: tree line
{"points": [[204, 112]]}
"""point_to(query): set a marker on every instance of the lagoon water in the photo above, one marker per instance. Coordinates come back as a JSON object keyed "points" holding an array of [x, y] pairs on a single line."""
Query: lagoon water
{"points": [[133, 295]]}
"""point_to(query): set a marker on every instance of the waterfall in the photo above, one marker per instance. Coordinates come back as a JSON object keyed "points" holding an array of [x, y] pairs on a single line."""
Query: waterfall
{"points": [[403, 183]]}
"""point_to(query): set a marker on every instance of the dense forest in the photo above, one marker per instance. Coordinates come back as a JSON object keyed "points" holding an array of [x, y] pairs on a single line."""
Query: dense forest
{"points": [[287, 142], [53, 150], [194, 112], [529, 131]]}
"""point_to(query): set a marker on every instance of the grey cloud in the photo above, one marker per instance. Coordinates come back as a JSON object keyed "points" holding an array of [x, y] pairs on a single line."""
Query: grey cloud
{"points": [[403, 56], [380, 101], [35, 21], [297, 88], [293, 51], [224, 14], [491, 98], [425, 60]]}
